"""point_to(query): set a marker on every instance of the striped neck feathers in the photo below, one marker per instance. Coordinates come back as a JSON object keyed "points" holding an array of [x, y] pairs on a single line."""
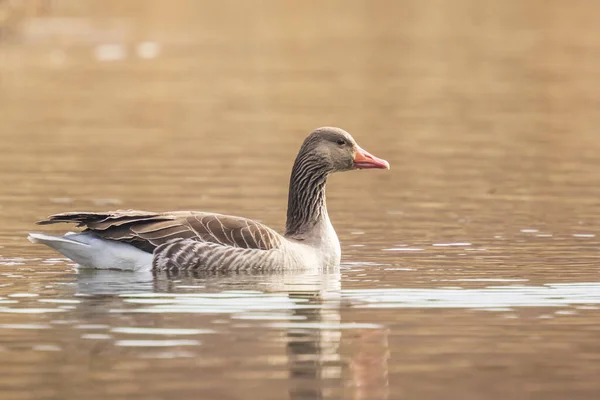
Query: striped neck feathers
{"points": [[306, 198]]}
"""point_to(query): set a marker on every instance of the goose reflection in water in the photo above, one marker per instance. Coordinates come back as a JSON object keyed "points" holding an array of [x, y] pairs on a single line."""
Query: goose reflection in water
{"points": [[304, 306]]}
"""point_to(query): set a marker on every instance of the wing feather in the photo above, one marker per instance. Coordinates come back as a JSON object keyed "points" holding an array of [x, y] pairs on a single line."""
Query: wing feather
{"points": [[148, 230]]}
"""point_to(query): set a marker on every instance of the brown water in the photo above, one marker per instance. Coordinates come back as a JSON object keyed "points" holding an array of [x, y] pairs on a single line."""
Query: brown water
{"points": [[470, 270]]}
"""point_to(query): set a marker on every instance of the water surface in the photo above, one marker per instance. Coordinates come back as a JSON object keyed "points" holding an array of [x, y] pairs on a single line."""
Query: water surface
{"points": [[470, 270]]}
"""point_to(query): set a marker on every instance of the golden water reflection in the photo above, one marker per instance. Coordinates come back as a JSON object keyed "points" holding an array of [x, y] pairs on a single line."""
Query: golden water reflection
{"points": [[470, 269]]}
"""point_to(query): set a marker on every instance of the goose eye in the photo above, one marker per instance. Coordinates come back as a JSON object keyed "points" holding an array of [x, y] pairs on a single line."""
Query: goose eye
{"points": [[341, 142]]}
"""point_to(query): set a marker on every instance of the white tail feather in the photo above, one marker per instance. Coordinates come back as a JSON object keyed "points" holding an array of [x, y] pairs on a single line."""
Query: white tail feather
{"points": [[52, 240], [89, 250]]}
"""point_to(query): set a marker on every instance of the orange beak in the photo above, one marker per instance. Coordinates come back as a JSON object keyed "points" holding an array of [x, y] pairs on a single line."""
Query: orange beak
{"points": [[363, 160]]}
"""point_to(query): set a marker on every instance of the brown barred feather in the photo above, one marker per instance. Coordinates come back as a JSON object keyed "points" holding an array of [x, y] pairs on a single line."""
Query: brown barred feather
{"points": [[148, 230]]}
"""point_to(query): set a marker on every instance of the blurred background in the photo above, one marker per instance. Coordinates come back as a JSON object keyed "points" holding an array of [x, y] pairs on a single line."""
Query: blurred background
{"points": [[488, 112], [185, 104]]}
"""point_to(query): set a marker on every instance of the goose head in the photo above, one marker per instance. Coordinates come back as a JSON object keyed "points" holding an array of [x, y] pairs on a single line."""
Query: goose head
{"points": [[324, 151], [335, 150]]}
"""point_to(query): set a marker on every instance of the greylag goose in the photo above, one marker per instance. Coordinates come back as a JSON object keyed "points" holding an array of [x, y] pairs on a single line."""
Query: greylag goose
{"points": [[203, 241]]}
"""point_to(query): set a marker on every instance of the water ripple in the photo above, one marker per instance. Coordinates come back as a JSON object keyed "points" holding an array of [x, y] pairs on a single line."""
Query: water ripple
{"points": [[549, 295]]}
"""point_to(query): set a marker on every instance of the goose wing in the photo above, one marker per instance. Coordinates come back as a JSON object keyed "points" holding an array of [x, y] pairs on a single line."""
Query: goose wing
{"points": [[148, 230]]}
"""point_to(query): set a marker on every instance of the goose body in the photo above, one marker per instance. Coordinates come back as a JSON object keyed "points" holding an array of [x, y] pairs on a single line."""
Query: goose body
{"points": [[192, 240]]}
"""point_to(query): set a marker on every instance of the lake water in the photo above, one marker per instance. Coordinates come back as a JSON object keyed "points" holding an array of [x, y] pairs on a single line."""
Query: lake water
{"points": [[470, 270]]}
